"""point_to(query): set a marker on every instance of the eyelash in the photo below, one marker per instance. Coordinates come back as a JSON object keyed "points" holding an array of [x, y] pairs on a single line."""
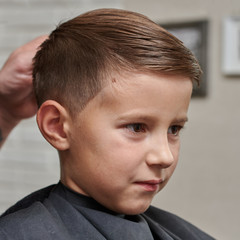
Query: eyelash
{"points": [[141, 128], [177, 128], [136, 127]]}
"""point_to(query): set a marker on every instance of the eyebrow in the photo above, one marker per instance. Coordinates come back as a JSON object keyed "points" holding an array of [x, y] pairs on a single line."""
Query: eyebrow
{"points": [[142, 117], [180, 120]]}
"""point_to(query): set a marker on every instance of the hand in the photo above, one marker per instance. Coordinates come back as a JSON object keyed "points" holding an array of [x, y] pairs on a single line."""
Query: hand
{"points": [[17, 100], [16, 93]]}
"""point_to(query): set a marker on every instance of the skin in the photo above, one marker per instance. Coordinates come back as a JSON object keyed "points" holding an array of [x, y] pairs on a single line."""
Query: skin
{"points": [[17, 101], [123, 147]]}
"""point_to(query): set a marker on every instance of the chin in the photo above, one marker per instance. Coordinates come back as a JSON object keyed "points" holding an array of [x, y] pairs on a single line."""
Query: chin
{"points": [[135, 209]]}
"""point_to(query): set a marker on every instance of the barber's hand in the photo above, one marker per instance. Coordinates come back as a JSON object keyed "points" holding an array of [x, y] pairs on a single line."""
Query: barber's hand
{"points": [[16, 93]]}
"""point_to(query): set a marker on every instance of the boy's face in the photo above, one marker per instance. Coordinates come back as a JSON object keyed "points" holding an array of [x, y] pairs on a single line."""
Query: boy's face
{"points": [[124, 145]]}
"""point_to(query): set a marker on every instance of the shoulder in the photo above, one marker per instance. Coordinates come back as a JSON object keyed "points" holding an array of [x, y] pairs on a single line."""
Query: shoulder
{"points": [[23, 216], [27, 214], [15, 225], [175, 224], [33, 217], [37, 196]]}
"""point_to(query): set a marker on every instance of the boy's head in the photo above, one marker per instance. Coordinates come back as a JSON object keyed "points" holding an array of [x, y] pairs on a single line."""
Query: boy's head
{"points": [[82, 54], [113, 89]]}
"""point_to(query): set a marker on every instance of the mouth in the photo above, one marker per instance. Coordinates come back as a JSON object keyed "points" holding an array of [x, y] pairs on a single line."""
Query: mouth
{"points": [[150, 185]]}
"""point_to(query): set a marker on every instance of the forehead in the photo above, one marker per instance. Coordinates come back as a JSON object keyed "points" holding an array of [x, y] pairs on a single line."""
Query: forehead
{"points": [[137, 97], [134, 87]]}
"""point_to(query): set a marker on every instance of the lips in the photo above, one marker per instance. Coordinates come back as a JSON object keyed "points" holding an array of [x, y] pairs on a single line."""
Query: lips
{"points": [[150, 185]]}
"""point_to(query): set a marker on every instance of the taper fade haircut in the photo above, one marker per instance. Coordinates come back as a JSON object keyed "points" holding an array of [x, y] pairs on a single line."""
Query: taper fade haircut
{"points": [[80, 55]]}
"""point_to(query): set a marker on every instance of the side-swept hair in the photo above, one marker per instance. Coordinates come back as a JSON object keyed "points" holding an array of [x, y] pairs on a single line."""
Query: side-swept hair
{"points": [[80, 54]]}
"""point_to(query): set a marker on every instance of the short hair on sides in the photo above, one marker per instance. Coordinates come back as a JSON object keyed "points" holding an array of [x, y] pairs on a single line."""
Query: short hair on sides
{"points": [[80, 55]]}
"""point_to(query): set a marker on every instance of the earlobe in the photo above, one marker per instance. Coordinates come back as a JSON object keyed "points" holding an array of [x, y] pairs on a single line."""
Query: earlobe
{"points": [[53, 122]]}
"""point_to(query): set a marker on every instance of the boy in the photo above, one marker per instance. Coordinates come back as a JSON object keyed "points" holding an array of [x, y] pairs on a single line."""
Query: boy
{"points": [[113, 90]]}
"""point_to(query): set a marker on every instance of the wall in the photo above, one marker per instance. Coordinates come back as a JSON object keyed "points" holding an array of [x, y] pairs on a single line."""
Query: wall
{"points": [[205, 187]]}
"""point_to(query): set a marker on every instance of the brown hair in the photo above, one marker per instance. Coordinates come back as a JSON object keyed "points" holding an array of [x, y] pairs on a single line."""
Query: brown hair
{"points": [[80, 54]]}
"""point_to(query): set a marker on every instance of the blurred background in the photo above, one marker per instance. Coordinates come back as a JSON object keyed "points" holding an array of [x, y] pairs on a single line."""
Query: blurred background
{"points": [[205, 187]]}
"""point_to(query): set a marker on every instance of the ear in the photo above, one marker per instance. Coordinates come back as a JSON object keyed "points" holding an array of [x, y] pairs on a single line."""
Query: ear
{"points": [[54, 122]]}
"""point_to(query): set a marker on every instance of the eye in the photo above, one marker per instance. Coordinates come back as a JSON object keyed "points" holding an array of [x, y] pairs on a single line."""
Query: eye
{"points": [[174, 130], [136, 127]]}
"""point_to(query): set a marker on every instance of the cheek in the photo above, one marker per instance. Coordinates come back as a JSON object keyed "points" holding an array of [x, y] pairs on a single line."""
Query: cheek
{"points": [[175, 148], [121, 155], [170, 170]]}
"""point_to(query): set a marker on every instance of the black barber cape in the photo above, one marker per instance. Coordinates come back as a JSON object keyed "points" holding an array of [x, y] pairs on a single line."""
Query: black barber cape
{"points": [[57, 213]]}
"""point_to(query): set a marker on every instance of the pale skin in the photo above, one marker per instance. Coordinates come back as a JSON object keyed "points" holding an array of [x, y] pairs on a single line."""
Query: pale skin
{"points": [[17, 101], [123, 147]]}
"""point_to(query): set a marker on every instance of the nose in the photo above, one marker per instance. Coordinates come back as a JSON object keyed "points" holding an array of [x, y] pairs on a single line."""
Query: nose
{"points": [[160, 153]]}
